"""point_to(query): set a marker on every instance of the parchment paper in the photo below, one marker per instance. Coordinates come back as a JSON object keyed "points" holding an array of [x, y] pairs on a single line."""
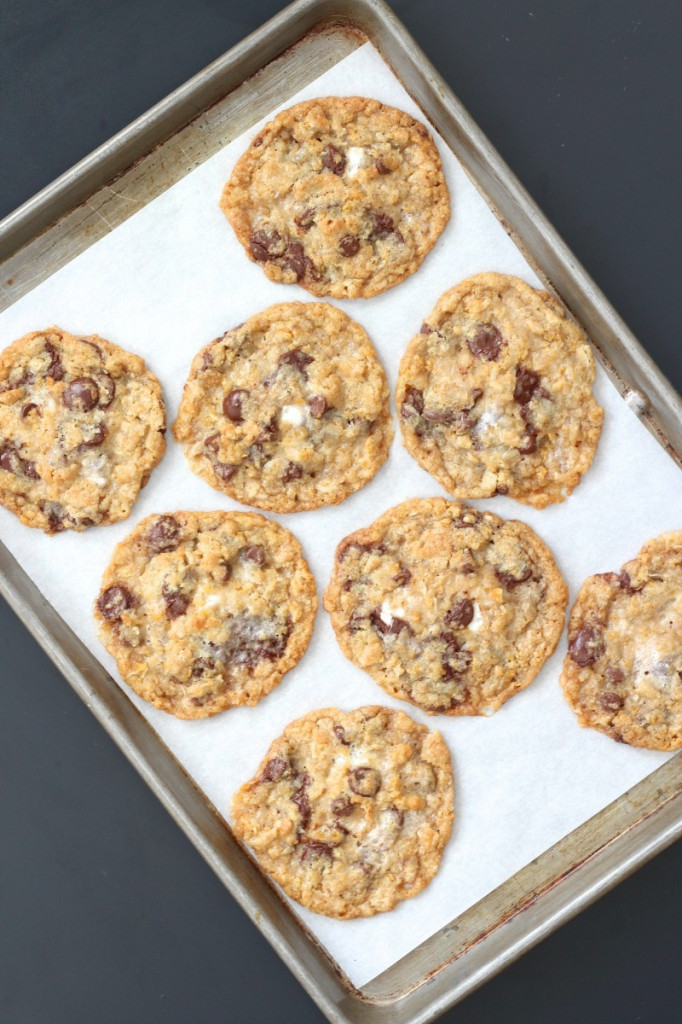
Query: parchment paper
{"points": [[164, 284]]}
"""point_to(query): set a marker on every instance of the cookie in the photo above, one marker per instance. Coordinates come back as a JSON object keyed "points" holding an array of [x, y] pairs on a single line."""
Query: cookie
{"points": [[495, 393], [82, 426], [288, 411], [623, 671], [341, 195], [449, 608], [205, 611], [349, 812]]}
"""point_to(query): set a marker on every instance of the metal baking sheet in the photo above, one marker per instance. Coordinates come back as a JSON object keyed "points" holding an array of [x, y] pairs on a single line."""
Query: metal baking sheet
{"points": [[455, 942]]}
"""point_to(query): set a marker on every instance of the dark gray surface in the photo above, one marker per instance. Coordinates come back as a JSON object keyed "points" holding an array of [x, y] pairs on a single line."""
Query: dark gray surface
{"points": [[107, 914]]}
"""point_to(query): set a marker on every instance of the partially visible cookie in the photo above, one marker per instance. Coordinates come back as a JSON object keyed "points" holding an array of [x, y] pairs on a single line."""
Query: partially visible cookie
{"points": [[82, 426], [623, 671], [205, 611], [350, 812], [288, 411], [452, 609], [342, 195], [495, 394]]}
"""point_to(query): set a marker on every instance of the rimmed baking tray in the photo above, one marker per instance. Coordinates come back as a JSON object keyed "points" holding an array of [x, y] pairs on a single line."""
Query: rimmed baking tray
{"points": [[100, 193]]}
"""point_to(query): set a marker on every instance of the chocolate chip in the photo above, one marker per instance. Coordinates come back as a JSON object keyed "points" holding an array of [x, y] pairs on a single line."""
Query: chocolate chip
{"points": [[256, 453], [381, 225], [342, 807], [274, 769], [455, 663], [614, 675], [510, 581], [164, 534], [212, 442], [266, 245], [12, 462], [356, 623], [252, 640], [315, 848], [28, 409], [456, 658], [269, 430], [529, 441], [296, 260], [381, 166], [255, 553], [232, 404], [413, 402], [341, 735], [364, 781], [9, 458], [403, 578], [107, 389], [486, 342], [176, 604], [292, 471], [349, 245], [502, 489], [81, 395], [611, 701], [55, 368], [334, 160], [397, 625], [527, 383], [318, 406], [586, 646], [625, 583], [427, 328], [300, 798], [114, 601], [348, 543], [97, 437], [305, 220], [55, 516], [461, 613], [202, 666], [298, 359], [224, 470], [457, 418]]}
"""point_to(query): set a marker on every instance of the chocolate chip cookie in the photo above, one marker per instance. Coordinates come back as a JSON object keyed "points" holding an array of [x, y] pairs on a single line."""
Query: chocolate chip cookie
{"points": [[623, 671], [344, 196], [82, 426], [452, 609], [205, 611], [350, 813], [288, 411], [495, 394]]}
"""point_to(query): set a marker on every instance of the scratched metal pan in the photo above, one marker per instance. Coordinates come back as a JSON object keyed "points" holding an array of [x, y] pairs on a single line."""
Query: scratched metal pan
{"points": [[160, 148]]}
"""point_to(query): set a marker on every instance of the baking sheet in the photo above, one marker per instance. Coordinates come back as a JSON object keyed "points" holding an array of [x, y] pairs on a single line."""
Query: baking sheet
{"points": [[165, 283]]}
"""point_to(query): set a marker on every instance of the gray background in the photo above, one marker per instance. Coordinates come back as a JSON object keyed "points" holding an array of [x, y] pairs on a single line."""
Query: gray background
{"points": [[107, 914]]}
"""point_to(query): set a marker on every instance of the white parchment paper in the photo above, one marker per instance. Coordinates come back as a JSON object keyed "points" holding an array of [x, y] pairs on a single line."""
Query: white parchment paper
{"points": [[164, 284]]}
